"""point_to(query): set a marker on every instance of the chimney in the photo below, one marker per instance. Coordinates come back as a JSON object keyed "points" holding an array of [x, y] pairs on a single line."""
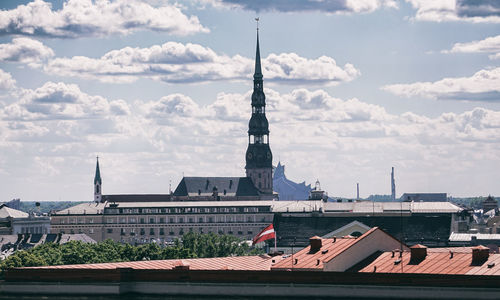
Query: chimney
{"points": [[480, 254], [418, 253], [316, 243]]}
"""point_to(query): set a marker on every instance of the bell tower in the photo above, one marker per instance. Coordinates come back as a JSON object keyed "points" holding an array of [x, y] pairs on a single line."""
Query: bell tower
{"points": [[259, 158], [97, 183]]}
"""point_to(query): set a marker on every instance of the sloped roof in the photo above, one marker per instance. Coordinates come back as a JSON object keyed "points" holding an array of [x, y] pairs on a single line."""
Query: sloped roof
{"points": [[6, 212], [204, 186], [434, 263], [256, 263], [83, 208], [330, 248]]}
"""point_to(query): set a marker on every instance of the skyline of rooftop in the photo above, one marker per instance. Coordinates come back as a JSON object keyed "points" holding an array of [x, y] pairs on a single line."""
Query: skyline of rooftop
{"points": [[160, 90]]}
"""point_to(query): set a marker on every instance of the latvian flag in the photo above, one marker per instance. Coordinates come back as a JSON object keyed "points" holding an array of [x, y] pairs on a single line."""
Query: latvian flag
{"points": [[266, 234]]}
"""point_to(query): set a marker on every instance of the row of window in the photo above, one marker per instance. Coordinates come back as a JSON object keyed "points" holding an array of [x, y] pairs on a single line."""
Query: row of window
{"points": [[172, 220], [154, 231], [182, 210]]}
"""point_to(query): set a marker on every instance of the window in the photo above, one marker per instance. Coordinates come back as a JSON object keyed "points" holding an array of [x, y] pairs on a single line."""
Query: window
{"points": [[200, 220], [151, 220], [171, 220], [240, 232], [109, 220], [62, 221], [122, 231], [91, 230], [221, 231], [91, 221], [109, 230], [162, 232], [250, 232], [143, 232], [151, 231], [162, 220], [123, 220], [72, 231], [132, 220], [142, 220], [190, 220], [171, 233], [210, 219], [181, 220]]}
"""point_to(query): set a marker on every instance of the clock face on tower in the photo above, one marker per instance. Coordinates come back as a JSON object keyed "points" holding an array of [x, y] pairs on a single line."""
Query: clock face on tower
{"points": [[249, 155], [268, 155]]}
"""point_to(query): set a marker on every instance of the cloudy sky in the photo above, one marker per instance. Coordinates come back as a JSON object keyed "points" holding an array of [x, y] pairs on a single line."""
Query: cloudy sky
{"points": [[159, 89]]}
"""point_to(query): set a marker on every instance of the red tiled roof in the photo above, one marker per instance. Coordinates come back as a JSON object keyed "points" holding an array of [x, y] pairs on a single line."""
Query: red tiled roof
{"points": [[435, 262], [330, 248], [262, 262]]}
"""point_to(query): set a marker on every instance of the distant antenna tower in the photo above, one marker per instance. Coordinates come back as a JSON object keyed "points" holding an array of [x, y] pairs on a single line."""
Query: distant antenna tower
{"points": [[393, 186], [357, 191]]}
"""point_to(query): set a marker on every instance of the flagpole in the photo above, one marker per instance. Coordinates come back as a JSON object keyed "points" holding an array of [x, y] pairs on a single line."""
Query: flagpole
{"points": [[275, 244]]}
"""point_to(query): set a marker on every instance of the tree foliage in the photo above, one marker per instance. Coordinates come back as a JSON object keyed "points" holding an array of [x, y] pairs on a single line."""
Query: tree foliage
{"points": [[192, 245]]}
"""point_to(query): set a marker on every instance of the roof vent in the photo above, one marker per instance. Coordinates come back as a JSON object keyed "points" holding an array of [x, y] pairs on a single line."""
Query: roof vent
{"points": [[316, 243], [317, 262], [451, 254], [296, 261], [324, 251], [480, 254], [491, 265], [418, 253], [334, 239]]}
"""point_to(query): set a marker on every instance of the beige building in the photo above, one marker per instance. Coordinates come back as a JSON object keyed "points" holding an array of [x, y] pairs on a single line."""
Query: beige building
{"points": [[143, 222]]}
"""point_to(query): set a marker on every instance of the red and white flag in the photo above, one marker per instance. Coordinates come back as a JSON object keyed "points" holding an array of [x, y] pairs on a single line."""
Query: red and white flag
{"points": [[266, 234]]}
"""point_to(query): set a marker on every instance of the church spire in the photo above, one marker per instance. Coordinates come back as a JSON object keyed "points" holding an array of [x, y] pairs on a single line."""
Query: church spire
{"points": [[97, 183], [258, 69], [97, 178], [258, 156]]}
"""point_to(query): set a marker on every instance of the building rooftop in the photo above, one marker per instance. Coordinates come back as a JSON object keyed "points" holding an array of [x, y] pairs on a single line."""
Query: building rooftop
{"points": [[83, 208], [321, 252], [467, 237], [436, 262], [225, 186], [255, 263], [6, 212]]}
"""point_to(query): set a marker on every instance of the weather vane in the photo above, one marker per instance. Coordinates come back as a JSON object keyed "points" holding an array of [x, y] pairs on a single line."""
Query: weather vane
{"points": [[257, 19]]}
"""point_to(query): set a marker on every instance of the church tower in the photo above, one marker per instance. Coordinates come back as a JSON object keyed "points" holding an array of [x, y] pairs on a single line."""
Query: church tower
{"points": [[259, 158], [97, 183]]}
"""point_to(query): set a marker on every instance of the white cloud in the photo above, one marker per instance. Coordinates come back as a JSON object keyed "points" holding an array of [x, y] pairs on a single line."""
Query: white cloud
{"points": [[484, 85], [54, 101], [178, 63], [310, 130], [80, 18], [326, 6], [475, 11], [6, 81], [488, 45], [25, 50]]}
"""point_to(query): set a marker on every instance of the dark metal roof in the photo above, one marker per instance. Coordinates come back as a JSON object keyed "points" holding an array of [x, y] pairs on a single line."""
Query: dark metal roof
{"points": [[137, 198], [225, 186]]}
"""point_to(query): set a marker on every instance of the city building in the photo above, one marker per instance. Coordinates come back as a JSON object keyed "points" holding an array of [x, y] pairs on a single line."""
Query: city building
{"points": [[144, 222], [428, 223], [287, 189], [13, 221], [425, 197]]}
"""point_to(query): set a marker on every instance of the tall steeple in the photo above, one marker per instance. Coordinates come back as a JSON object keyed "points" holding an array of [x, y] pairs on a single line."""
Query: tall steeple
{"points": [[97, 183], [259, 158]]}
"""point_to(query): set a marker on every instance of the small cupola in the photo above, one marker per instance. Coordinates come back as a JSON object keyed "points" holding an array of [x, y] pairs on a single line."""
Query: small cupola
{"points": [[315, 242], [480, 255]]}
